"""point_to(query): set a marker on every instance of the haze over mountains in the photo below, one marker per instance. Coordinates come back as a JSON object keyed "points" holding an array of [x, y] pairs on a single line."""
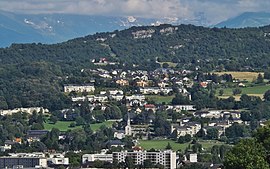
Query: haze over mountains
{"points": [[55, 28]]}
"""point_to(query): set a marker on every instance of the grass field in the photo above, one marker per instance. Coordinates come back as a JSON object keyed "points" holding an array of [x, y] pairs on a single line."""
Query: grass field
{"points": [[160, 99], [251, 91], [64, 125], [248, 76], [161, 144]]}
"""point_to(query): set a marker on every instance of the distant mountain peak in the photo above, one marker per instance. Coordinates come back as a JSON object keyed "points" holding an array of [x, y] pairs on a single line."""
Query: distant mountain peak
{"points": [[247, 19]]}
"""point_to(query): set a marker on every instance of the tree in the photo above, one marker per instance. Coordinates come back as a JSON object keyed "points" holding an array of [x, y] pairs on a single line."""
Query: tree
{"points": [[212, 133], [266, 95], [148, 164], [248, 154], [259, 79], [237, 91], [53, 119], [168, 147], [221, 92], [180, 99], [129, 162], [79, 121]]}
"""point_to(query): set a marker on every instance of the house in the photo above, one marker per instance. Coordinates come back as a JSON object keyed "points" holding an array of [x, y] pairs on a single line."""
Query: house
{"points": [[112, 92], [209, 114], [142, 83], [79, 99], [101, 98], [241, 85], [166, 90], [150, 90], [148, 107], [179, 108], [29, 110], [122, 82], [163, 84], [35, 135], [55, 160], [123, 74], [79, 88], [191, 128], [119, 134], [139, 97], [204, 84], [117, 97], [114, 143]]}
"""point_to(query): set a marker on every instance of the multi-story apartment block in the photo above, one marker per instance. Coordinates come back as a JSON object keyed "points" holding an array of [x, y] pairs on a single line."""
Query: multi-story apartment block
{"points": [[165, 158]]}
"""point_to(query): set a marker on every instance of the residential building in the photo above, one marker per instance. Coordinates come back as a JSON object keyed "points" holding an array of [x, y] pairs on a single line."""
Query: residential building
{"points": [[57, 160], [29, 110], [94, 157], [79, 88], [122, 82], [165, 158]]}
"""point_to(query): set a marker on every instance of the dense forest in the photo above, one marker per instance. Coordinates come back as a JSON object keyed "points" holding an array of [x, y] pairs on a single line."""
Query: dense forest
{"points": [[34, 74]]}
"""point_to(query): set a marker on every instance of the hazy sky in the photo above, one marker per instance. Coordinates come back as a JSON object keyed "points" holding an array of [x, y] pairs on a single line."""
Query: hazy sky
{"points": [[214, 10]]}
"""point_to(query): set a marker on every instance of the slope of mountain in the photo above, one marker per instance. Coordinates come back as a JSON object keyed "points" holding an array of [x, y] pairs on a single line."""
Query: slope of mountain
{"points": [[248, 19], [33, 74]]}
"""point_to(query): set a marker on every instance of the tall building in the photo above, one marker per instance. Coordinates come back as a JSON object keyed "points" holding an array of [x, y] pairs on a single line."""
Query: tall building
{"points": [[165, 158]]}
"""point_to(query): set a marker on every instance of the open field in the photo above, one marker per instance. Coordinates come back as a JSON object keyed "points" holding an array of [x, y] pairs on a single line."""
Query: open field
{"points": [[251, 91], [160, 99], [161, 144], [64, 125], [248, 76]]}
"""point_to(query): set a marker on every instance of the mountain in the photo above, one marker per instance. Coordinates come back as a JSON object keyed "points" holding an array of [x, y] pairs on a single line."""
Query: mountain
{"points": [[55, 28], [247, 19]]}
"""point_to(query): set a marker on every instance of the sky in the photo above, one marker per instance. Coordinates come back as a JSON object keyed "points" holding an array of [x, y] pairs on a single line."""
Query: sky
{"points": [[215, 11]]}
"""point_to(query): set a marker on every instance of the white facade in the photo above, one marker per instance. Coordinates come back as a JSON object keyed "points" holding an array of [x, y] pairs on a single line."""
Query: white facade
{"points": [[29, 110], [79, 88], [136, 97], [94, 157], [193, 158], [58, 159], [165, 158], [179, 108]]}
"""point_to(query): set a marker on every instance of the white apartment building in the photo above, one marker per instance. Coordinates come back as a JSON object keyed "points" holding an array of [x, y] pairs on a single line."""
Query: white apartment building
{"points": [[166, 158], [94, 157], [79, 88], [29, 110]]}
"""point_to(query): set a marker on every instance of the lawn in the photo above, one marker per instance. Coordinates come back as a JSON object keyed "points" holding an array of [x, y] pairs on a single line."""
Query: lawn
{"points": [[252, 91], [249, 76], [64, 125], [161, 144], [160, 99]]}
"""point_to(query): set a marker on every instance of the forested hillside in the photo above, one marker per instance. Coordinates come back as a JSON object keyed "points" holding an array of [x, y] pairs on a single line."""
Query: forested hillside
{"points": [[33, 74]]}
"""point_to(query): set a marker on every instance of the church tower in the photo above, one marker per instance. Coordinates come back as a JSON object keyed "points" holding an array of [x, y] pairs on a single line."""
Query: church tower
{"points": [[128, 127]]}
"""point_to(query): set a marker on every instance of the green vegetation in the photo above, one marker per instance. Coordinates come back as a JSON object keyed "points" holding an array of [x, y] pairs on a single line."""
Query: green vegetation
{"points": [[257, 90], [160, 99], [65, 125], [242, 76], [161, 144], [33, 75]]}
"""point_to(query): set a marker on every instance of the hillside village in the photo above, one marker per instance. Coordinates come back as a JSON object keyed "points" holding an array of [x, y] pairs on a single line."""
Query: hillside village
{"points": [[132, 108]]}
